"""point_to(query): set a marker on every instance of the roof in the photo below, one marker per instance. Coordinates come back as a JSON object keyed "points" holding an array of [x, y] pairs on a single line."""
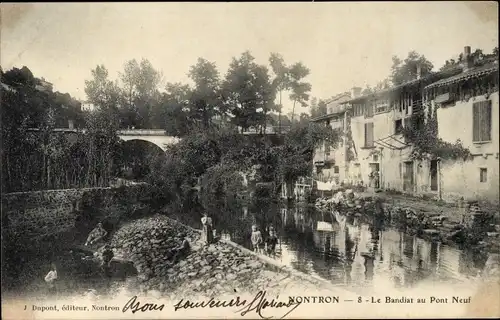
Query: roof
{"points": [[428, 77], [475, 72], [327, 116], [337, 97]]}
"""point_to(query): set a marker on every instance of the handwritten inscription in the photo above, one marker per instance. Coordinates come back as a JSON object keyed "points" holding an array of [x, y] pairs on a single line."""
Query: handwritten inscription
{"points": [[257, 305], [134, 305]]}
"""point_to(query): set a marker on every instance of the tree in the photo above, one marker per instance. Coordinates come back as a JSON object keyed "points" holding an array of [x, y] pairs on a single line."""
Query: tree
{"points": [[140, 83], [281, 81], [175, 106], [406, 70], [129, 79], [367, 91], [102, 125], [205, 100], [300, 90], [248, 92], [477, 58]]}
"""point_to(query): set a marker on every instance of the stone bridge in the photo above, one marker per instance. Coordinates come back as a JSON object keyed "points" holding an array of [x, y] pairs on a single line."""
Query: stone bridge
{"points": [[159, 138], [154, 136]]}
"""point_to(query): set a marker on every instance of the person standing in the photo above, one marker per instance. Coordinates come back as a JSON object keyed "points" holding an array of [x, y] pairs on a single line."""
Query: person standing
{"points": [[207, 235], [271, 242], [256, 239]]}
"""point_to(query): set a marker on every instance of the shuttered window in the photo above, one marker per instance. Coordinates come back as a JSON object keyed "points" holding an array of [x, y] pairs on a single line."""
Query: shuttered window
{"points": [[369, 134], [481, 121]]}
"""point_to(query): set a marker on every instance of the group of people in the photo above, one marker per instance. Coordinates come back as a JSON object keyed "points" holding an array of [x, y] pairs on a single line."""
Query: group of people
{"points": [[261, 245]]}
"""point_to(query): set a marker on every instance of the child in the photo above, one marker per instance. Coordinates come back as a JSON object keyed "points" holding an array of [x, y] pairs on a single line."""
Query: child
{"points": [[271, 242], [256, 239], [50, 278]]}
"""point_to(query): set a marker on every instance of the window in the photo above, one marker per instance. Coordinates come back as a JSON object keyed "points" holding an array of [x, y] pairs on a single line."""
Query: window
{"points": [[398, 126], [336, 169], [483, 174], [369, 134], [481, 121], [357, 110]]}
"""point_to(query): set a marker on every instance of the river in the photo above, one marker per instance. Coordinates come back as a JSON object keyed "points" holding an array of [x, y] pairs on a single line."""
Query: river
{"points": [[355, 254], [359, 255]]}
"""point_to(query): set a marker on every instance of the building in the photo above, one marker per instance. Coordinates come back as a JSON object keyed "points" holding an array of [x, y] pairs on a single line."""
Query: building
{"points": [[466, 107], [331, 164], [87, 105], [464, 102]]}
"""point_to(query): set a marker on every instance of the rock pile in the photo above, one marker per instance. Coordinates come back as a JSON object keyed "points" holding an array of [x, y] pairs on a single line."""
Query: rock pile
{"points": [[208, 270], [147, 241]]}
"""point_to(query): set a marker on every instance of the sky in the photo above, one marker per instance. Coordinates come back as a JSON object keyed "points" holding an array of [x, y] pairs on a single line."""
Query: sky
{"points": [[343, 44]]}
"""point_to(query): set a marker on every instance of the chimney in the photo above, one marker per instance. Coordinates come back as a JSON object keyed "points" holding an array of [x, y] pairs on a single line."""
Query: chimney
{"points": [[355, 92], [466, 59], [419, 71], [71, 124]]}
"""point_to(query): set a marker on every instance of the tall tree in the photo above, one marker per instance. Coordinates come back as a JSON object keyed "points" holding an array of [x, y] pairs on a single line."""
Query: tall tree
{"points": [[205, 101], [102, 125], [140, 83], [300, 90], [129, 80], [406, 70], [281, 80], [176, 109], [248, 92]]}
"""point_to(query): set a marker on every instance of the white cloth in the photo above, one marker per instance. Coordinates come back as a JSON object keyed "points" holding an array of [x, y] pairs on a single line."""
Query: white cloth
{"points": [[324, 186], [51, 276]]}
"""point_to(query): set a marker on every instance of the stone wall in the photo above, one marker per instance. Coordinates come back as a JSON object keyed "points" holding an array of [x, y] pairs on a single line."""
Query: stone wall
{"points": [[38, 214]]}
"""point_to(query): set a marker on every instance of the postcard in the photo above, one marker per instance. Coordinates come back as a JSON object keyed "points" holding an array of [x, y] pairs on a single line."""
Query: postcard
{"points": [[258, 160]]}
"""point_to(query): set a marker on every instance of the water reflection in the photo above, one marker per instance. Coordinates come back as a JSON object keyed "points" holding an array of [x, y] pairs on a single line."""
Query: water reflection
{"points": [[347, 251]]}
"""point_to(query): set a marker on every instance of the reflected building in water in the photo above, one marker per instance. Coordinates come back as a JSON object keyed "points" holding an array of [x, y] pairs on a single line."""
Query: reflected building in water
{"points": [[346, 251]]}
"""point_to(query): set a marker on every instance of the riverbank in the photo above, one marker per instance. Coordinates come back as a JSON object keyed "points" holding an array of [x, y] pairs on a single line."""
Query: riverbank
{"points": [[474, 225], [209, 271]]}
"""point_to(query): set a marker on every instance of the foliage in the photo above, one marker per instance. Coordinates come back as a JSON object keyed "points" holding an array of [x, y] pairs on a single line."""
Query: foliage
{"points": [[175, 109], [423, 136], [205, 100], [38, 158], [406, 70], [222, 186], [139, 91], [318, 107], [300, 90], [478, 58], [248, 92], [381, 85], [295, 155]]}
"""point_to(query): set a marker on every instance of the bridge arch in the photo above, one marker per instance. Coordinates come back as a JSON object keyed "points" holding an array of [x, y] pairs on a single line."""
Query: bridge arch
{"points": [[159, 147], [156, 137]]}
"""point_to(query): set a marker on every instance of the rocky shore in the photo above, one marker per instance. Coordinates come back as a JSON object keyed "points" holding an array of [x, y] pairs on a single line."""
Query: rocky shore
{"points": [[477, 228], [208, 271]]}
